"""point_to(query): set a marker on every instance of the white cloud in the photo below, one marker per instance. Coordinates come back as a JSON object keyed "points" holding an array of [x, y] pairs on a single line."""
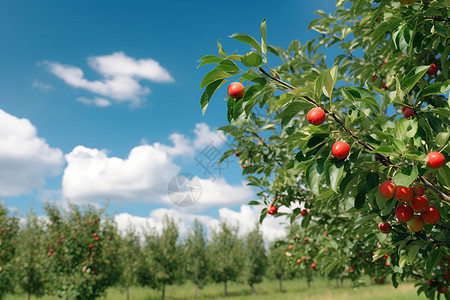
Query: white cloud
{"points": [[92, 176], [204, 136], [246, 219], [41, 85], [120, 77], [97, 101], [25, 158], [118, 64]]}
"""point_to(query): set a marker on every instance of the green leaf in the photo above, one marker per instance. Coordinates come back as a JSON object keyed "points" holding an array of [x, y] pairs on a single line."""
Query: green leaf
{"points": [[399, 145], [442, 139], [408, 82], [433, 257], [263, 36], [412, 250], [213, 75], [406, 176], [314, 172], [209, 91], [335, 173], [248, 39], [330, 80], [318, 85], [435, 88], [220, 49], [209, 59], [388, 209], [406, 128], [251, 59], [263, 215], [227, 66], [383, 149], [230, 109], [254, 202], [292, 110]]}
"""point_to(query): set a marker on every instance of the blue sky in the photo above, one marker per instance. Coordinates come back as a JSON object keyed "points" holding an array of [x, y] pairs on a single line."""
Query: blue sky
{"points": [[88, 85]]}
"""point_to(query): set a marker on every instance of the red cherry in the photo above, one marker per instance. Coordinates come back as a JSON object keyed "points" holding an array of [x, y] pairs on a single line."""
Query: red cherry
{"points": [[272, 210], [435, 160], [304, 212], [374, 77], [236, 90], [384, 63], [316, 116], [404, 213], [418, 190], [384, 227], [387, 189], [403, 108], [291, 247], [340, 150], [408, 113], [432, 70], [419, 204], [304, 258], [299, 260], [313, 265], [403, 194], [384, 86], [431, 215], [237, 154]]}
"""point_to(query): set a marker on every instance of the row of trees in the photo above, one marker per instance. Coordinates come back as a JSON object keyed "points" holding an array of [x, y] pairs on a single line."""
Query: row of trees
{"points": [[77, 253]]}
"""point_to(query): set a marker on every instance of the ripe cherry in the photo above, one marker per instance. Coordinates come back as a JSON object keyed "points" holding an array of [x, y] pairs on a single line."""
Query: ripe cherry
{"points": [[340, 150], [431, 215], [435, 160], [316, 116], [432, 70], [236, 90]]}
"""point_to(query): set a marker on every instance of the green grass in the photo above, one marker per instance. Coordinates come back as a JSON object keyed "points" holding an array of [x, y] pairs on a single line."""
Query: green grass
{"points": [[268, 290]]}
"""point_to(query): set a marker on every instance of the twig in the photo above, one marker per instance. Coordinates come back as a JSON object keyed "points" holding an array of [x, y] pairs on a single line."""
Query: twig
{"points": [[434, 188]]}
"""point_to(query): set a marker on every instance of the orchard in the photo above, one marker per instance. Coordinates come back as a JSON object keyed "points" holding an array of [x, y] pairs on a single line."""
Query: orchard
{"points": [[360, 140]]}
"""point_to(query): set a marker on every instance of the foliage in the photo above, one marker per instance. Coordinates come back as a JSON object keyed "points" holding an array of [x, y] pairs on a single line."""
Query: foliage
{"points": [[225, 255], [9, 227], [385, 50], [82, 253]]}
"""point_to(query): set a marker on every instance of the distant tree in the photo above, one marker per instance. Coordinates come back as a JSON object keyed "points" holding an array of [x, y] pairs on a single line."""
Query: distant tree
{"points": [[278, 264], [30, 277], [9, 227], [255, 258], [196, 259], [82, 252], [162, 264], [129, 252], [225, 255]]}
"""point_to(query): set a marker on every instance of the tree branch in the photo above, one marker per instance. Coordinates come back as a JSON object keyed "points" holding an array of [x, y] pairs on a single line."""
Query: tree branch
{"points": [[428, 184]]}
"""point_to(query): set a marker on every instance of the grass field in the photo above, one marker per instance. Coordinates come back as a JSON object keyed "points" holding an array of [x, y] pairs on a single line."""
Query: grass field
{"points": [[268, 290]]}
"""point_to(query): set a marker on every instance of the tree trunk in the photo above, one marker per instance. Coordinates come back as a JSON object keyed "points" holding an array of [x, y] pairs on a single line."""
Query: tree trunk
{"points": [[28, 295], [128, 292], [280, 282], [196, 291], [163, 291], [253, 289], [342, 282], [225, 288]]}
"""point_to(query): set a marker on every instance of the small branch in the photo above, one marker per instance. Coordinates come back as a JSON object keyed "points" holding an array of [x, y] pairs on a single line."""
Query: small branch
{"points": [[428, 184], [436, 18]]}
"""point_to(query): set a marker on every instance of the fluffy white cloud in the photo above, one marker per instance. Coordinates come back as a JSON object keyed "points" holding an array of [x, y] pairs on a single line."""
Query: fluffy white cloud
{"points": [[245, 219], [120, 77], [25, 158], [118, 64], [204, 137], [91, 175]]}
